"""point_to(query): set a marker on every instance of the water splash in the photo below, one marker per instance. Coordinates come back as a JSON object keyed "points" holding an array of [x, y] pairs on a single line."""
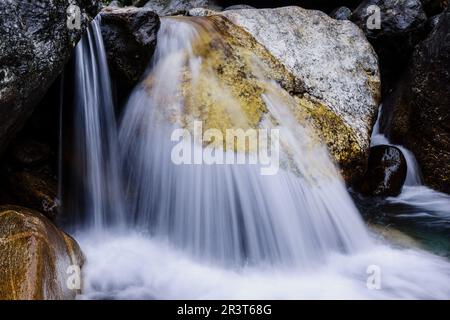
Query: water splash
{"points": [[134, 266]]}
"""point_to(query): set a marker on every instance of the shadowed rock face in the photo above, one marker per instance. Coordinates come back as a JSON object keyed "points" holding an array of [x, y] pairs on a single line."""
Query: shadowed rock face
{"points": [[334, 73], [35, 190], [35, 43], [386, 172], [420, 107], [129, 35], [402, 26], [34, 257], [433, 7]]}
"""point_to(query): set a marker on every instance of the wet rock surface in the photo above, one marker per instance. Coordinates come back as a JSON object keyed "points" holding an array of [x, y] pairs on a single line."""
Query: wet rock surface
{"points": [[35, 257], [386, 172], [35, 190]]}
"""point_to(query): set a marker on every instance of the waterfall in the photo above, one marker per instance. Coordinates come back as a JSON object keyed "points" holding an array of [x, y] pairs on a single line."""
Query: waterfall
{"points": [[216, 230], [97, 200], [231, 213]]}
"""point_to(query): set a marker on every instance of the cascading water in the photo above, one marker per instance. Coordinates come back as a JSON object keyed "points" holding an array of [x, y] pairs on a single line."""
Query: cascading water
{"points": [[230, 212], [221, 230], [98, 199]]}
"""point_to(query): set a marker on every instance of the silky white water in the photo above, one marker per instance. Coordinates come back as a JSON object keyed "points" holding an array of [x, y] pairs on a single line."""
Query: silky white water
{"points": [[98, 199], [230, 213], [223, 231]]}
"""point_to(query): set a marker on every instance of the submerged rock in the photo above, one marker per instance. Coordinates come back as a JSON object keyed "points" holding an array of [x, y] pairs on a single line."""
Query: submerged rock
{"points": [[420, 107], [326, 65], [129, 35], [35, 257], [395, 236], [386, 172], [35, 43]]}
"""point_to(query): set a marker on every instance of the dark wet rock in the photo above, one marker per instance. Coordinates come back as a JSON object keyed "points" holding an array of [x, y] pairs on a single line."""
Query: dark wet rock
{"points": [[341, 13], [35, 44], [421, 106], [386, 172], [129, 36], [433, 22], [30, 153], [35, 257], [402, 27], [174, 7], [433, 7], [35, 190], [139, 3]]}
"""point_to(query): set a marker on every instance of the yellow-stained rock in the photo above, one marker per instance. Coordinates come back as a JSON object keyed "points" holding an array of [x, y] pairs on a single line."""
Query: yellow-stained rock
{"points": [[35, 257], [226, 91]]}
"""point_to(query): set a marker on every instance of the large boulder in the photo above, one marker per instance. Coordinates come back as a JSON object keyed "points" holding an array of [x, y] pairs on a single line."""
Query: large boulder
{"points": [[420, 107], [386, 172], [35, 43], [327, 64], [129, 35], [37, 260]]}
